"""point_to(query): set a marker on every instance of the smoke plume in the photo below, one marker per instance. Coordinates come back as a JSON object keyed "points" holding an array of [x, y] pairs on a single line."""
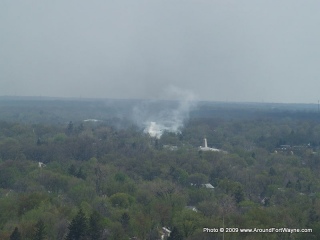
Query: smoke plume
{"points": [[168, 114]]}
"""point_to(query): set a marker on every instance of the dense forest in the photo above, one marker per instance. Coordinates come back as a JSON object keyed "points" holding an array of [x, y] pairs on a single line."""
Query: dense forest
{"points": [[65, 178]]}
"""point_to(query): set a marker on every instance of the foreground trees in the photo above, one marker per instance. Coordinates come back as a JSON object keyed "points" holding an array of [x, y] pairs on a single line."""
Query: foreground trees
{"points": [[40, 231], [78, 227], [16, 235], [98, 182], [83, 228]]}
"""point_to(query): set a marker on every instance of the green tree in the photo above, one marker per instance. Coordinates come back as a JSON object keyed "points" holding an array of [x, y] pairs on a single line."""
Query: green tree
{"points": [[312, 216], [188, 221], [289, 184], [125, 220], [26, 202], [78, 227], [197, 179], [72, 170], [81, 174], [238, 194], [121, 200], [69, 128], [175, 234], [95, 227], [16, 235], [120, 177], [40, 231], [272, 171]]}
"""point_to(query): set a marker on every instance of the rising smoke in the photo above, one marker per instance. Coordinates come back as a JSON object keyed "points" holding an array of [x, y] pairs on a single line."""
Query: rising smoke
{"points": [[169, 115]]}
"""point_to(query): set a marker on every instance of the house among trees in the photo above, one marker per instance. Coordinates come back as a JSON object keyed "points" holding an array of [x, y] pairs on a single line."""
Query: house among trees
{"points": [[208, 186], [288, 149]]}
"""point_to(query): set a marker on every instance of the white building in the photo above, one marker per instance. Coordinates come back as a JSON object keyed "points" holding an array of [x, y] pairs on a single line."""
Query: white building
{"points": [[206, 148]]}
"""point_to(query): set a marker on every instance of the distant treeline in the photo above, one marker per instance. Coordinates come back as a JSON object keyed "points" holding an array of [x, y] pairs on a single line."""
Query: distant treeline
{"points": [[60, 110]]}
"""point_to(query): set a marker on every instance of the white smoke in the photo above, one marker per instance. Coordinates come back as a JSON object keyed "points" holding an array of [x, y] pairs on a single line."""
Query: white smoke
{"points": [[168, 115], [154, 129]]}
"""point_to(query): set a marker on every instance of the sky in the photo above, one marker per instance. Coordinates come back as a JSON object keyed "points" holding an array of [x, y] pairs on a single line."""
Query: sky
{"points": [[230, 50]]}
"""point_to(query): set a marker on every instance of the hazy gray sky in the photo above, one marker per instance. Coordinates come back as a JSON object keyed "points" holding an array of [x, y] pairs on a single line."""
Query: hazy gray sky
{"points": [[231, 50]]}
